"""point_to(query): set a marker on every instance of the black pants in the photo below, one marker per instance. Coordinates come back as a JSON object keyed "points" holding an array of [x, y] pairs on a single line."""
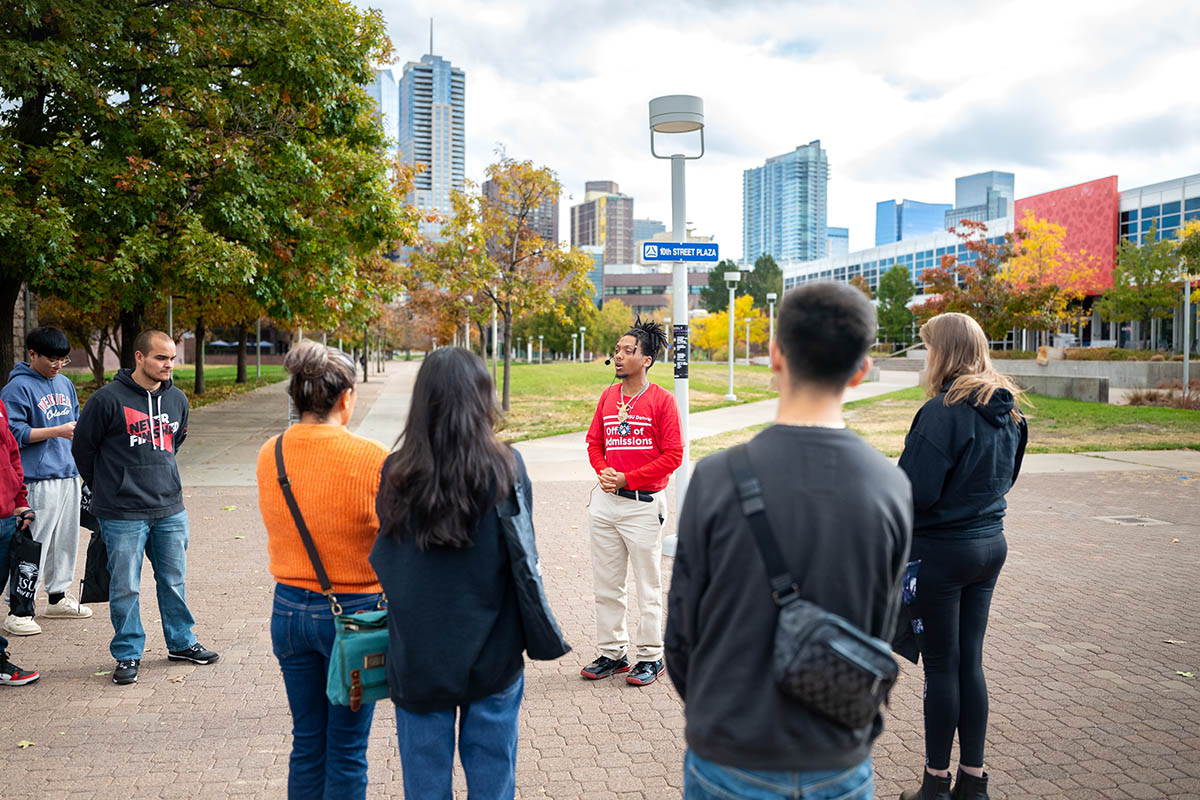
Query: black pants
{"points": [[950, 613]]}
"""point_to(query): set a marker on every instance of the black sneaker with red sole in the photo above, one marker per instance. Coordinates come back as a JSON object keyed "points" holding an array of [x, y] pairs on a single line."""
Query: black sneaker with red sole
{"points": [[12, 675], [604, 667], [645, 673]]}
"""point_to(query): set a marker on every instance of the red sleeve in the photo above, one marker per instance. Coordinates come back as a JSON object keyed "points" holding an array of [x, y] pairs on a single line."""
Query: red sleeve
{"points": [[595, 437], [20, 499], [670, 445]]}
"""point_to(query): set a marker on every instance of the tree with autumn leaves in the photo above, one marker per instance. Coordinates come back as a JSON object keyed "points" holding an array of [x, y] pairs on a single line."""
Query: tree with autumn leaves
{"points": [[489, 250]]}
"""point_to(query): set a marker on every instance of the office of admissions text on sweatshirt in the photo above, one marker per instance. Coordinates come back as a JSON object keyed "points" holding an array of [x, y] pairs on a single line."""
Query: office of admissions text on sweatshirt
{"points": [[651, 447]]}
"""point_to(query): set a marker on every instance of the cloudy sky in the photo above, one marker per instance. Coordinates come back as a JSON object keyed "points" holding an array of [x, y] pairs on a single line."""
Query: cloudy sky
{"points": [[903, 96]]}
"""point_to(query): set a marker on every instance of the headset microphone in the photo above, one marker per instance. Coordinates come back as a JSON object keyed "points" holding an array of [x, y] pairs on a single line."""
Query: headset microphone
{"points": [[607, 361]]}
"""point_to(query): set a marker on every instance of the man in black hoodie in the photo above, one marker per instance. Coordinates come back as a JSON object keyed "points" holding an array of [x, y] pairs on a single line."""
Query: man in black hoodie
{"points": [[842, 518], [124, 446]]}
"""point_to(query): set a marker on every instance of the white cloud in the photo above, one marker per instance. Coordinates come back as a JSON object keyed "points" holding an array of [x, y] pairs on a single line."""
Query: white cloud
{"points": [[904, 97]]}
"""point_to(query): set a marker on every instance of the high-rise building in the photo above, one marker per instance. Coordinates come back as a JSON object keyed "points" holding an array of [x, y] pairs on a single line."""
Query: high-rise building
{"points": [[432, 131], [982, 197], [837, 243], [596, 273], [906, 219], [386, 94], [784, 206], [605, 217], [644, 229], [543, 220]]}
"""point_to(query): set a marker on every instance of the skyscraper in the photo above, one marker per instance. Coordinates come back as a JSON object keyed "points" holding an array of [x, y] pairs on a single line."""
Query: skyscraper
{"points": [[431, 131], [982, 197], [643, 229], [837, 243], [906, 219], [386, 94], [543, 220], [605, 217], [784, 206]]}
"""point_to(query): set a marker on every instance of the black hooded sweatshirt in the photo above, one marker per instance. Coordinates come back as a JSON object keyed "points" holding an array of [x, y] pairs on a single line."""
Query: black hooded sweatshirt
{"points": [[962, 460], [125, 445]]}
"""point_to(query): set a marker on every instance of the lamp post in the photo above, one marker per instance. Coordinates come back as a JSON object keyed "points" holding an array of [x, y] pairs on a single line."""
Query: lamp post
{"points": [[747, 341], [574, 336], [771, 298], [541, 336], [467, 323], [582, 332], [678, 114], [1187, 326], [731, 280]]}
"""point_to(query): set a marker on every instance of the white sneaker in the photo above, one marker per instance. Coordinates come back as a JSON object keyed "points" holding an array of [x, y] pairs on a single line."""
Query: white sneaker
{"points": [[21, 626], [67, 607]]}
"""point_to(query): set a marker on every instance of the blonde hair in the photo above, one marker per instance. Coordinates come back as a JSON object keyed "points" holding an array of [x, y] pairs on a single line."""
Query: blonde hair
{"points": [[958, 353]]}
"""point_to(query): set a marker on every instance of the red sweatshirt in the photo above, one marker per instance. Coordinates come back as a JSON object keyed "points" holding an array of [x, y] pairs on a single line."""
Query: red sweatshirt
{"points": [[653, 447], [12, 477]]}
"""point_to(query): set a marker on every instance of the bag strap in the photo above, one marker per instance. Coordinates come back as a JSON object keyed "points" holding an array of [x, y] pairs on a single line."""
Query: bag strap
{"points": [[305, 536], [749, 490]]}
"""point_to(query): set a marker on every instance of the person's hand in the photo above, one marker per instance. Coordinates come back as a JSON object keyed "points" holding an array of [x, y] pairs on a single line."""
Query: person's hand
{"points": [[66, 430], [608, 480], [25, 516]]}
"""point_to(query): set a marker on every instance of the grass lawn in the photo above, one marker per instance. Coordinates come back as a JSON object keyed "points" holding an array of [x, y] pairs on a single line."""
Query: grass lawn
{"points": [[1056, 425], [549, 399], [218, 382]]}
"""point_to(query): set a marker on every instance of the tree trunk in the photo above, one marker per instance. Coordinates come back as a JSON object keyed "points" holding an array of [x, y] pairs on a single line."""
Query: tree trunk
{"points": [[131, 321], [96, 358], [10, 290], [243, 335], [506, 339], [365, 360], [200, 333]]}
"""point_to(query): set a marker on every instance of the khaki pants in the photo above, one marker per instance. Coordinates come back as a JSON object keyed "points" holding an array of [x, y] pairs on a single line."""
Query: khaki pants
{"points": [[627, 532]]}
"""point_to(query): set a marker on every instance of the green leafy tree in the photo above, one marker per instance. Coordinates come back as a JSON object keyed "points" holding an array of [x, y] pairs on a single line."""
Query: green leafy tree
{"points": [[896, 290], [715, 296], [1145, 281], [766, 277]]}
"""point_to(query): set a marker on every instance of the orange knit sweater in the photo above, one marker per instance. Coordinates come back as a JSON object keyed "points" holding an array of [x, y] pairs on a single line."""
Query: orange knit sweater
{"points": [[335, 476]]}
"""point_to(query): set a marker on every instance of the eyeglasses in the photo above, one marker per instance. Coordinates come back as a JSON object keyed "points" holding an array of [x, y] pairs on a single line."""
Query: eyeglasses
{"points": [[57, 362]]}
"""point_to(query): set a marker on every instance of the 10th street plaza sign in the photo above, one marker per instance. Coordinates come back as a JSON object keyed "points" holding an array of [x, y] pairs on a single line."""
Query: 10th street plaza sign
{"points": [[672, 251]]}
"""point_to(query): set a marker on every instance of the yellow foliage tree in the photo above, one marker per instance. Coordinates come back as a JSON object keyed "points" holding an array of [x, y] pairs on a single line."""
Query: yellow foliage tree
{"points": [[1050, 279], [1189, 254], [711, 333]]}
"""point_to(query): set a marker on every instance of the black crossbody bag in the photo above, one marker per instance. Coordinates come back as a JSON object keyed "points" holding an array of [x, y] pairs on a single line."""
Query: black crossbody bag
{"points": [[821, 660]]}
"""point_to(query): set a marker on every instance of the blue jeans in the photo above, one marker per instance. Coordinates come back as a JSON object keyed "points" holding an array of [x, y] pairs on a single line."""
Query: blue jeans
{"points": [[164, 541], [329, 743], [704, 780], [8, 528], [487, 746]]}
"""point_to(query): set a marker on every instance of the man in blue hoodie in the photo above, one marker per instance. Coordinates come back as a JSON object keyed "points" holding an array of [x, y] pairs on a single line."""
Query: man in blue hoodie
{"points": [[42, 411], [125, 448]]}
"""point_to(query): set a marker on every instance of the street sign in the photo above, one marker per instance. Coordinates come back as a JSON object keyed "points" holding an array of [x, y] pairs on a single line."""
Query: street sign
{"points": [[673, 251]]}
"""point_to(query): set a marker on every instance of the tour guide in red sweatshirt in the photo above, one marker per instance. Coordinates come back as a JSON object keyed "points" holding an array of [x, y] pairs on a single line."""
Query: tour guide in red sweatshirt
{"points": [[634, 445]]}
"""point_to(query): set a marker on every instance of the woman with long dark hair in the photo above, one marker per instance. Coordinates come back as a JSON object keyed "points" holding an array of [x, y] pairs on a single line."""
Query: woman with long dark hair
{"points": [[334, 476], [455, 660], [962, 455]]}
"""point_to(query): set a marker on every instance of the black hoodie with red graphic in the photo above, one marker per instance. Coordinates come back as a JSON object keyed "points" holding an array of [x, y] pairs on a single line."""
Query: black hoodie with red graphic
{"points": [[125, 445]]}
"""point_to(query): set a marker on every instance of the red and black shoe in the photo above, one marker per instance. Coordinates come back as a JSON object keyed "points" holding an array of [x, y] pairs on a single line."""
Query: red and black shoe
{"points": [[645, 673], [12, 675], [604, 667]]}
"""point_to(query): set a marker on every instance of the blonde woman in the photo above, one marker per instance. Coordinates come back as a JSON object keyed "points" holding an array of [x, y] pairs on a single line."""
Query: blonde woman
{"points": [[962, 455]]}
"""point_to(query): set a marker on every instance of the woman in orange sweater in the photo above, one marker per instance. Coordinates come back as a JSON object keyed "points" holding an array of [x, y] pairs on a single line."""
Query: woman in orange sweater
{"points": [[334, 475]]}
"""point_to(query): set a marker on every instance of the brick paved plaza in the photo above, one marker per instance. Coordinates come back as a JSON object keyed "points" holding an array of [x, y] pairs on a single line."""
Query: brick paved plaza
{"points": [[1092, 621]]}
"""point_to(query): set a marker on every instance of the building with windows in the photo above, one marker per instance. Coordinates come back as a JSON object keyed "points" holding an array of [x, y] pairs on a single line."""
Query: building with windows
{"points": [[386, 93], [543, 220], [982, 197], [784, 206], [1161, 206], [604, 218], [907, 218], [432, 133], [644, 229], [646, 292], [596, 273], [837, 241]]}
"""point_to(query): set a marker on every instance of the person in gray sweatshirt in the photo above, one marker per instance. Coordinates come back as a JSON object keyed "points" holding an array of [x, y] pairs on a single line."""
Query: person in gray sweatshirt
{"points": [[125, 448], [42, 412]]}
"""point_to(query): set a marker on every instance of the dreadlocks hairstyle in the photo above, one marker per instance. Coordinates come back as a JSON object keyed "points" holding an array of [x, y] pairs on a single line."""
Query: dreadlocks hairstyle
{"points": [[651, 337]]}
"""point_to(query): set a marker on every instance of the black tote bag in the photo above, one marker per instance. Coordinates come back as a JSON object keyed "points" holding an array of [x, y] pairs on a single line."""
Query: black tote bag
{"points": [[25, 555], [543, 638], [94, 586]]}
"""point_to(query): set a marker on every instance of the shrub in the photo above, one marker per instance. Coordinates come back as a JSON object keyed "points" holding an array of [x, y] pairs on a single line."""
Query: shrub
{"points": [[1106, 354], [1158, 357], [1165, 399]]}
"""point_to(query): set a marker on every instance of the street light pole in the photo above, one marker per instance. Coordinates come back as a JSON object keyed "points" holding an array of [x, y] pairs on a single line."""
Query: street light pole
{"points": [[582, 333], [258, 347], [771, 298], [747, 341], [574, 336], [731, 280], [1187, 325], [541, 336], [678, 114]]}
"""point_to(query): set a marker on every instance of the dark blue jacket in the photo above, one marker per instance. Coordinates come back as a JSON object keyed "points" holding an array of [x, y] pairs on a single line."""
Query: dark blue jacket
{"points": [[962, 460]]}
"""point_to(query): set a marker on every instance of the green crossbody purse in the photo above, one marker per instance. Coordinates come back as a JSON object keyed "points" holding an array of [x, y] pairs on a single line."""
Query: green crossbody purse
{"points": [[358, 663]]}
